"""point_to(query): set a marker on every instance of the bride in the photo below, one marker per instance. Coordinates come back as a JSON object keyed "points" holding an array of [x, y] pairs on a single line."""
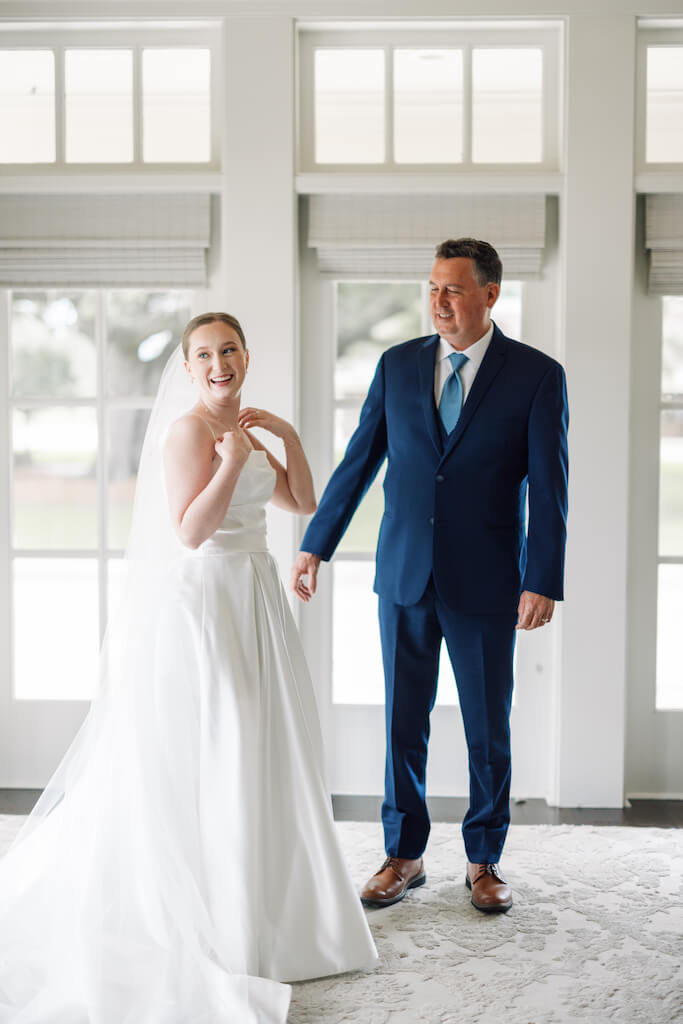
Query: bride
{"points": [[182, 865]]}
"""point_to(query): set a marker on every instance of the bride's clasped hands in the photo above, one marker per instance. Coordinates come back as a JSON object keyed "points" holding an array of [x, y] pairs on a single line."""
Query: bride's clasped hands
{"points": [[234, 447]]}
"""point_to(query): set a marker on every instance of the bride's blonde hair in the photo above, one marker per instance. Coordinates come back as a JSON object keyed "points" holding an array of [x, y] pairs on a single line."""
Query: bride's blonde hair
{"points": [[211, 318]]}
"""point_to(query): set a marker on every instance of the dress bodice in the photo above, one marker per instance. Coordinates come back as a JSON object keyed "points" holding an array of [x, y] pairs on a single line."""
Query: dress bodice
{"points": [[244, 525]]}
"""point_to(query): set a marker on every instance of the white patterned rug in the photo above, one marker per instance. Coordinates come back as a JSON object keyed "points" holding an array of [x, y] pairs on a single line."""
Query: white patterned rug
{"points": [[595, 934]]}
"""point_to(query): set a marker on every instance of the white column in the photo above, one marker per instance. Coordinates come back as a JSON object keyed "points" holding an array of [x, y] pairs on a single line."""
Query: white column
{"points": [[258, 225], [597, 228]]}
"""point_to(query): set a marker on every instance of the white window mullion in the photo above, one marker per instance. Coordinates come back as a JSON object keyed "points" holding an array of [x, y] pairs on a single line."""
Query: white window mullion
{"points": [[216, 94], [389, 106], [5, 503], [60, 106], [86, 554], [45, 403], [137, 106], [101, 472], [467, 106]]}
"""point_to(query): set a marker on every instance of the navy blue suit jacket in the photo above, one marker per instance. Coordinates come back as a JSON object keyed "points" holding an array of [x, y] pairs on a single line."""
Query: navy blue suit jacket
{"points": [[457, 510]]}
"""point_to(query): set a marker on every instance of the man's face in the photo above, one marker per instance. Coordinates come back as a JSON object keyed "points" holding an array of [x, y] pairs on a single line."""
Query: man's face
{"points": [[459, 305]]}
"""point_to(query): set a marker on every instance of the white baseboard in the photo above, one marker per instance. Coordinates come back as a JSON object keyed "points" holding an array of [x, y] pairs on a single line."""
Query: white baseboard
{"points": [[655, 796]]}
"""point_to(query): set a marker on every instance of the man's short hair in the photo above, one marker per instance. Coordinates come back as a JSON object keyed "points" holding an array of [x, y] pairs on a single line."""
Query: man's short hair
{"points": [[488, 268]]}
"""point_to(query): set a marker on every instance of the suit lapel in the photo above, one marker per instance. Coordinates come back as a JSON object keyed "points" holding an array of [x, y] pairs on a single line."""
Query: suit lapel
{"points": [[486, 374], [426, 357]]}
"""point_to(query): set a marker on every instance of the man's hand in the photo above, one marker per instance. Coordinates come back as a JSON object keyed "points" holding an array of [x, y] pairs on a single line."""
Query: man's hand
{"points": [[534, 610], [306, 565]]}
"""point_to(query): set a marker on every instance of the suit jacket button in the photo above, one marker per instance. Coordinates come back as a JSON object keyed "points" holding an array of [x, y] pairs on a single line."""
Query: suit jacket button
{"points": [[440, 479], [431, 521]]}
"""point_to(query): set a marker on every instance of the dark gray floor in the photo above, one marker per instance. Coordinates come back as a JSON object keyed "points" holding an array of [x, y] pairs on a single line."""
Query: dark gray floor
{"points": [[655, 813]]}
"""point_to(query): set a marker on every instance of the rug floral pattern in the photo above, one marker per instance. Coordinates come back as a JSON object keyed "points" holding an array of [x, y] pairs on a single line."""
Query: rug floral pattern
{"points": [[595, 934]]}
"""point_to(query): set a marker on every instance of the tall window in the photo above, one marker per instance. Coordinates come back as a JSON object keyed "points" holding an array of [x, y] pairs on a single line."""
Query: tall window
{"points": [[84, 367], [371, 316], [670, 590]]}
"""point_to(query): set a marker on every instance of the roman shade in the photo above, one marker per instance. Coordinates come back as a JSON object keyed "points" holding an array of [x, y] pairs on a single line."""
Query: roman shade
{"points": [[361, 236], [104, 240], [664, 240]]}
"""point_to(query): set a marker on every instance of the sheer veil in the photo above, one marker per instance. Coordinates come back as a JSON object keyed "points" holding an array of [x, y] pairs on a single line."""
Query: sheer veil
{"points": [[151, 535], [152, 542]]}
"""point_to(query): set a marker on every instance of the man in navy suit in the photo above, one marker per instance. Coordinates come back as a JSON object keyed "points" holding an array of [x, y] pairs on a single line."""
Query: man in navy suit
{"points": [[469, 421]]}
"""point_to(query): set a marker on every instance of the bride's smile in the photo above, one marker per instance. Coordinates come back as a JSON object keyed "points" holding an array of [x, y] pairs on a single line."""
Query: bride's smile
{"points": [[217, 360]]}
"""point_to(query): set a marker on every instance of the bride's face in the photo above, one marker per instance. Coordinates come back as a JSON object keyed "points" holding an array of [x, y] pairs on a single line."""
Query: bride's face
{"points": [[217, 361]]}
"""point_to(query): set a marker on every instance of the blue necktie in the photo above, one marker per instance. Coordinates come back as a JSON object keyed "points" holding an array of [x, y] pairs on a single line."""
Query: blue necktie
{"points": [[451, 396]]}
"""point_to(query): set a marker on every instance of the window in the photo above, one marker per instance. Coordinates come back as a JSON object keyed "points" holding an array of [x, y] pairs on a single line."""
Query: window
{"points": [[664, 109], [417, 97], [659, 97], [27, 101], [370, 317], [107, 97], [507, 105], [176, 107], [99, 106], [428, 95], [84, 366], [349, 107], [670, 587]]}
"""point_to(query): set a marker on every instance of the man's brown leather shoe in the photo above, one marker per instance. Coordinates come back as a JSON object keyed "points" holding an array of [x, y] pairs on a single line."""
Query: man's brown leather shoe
{"points": [[490, 891], [392, 881]]}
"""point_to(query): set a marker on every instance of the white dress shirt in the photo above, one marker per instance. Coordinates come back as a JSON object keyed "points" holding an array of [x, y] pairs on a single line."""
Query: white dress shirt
{"points": [[443, 369]]}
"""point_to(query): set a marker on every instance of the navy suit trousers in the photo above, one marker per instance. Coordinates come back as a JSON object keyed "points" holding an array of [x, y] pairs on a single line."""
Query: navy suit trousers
{"points": [[481, 649]]}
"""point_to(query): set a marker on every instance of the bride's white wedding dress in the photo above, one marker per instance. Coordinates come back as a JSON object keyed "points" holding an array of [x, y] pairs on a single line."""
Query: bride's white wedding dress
{"points": [[186, 851]]}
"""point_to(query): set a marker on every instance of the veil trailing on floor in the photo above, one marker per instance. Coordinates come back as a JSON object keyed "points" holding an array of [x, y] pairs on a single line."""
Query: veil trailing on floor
{"points": [[104, 914]]}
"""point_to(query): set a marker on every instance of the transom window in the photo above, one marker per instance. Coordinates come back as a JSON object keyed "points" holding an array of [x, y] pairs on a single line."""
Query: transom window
{"points": [[410, 98], [660, 98], [107, 98]]}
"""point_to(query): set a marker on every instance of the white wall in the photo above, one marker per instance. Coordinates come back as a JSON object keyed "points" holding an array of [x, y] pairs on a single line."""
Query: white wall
{"points": [[597, 242], [257, 279]]}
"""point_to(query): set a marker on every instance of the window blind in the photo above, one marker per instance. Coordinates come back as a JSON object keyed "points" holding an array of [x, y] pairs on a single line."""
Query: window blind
{"points": [[358, 236], [104, 240], [664, 240]]}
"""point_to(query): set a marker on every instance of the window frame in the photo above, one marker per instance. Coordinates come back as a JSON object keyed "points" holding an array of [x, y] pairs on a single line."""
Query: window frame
{"points": [[546, 36], [59, 40], [666, 403]]}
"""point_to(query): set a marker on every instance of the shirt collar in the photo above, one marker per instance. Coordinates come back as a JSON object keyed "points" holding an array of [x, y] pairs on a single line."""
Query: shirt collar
{"points": [[475, 352]]}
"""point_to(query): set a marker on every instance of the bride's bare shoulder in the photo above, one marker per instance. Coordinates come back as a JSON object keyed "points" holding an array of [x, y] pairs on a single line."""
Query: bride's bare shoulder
{"points": [[189, 432]]}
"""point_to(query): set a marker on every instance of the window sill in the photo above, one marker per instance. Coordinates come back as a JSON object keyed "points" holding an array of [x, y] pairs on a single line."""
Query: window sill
{"points": [[660, 181], [44, 179], [504, 180]]}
